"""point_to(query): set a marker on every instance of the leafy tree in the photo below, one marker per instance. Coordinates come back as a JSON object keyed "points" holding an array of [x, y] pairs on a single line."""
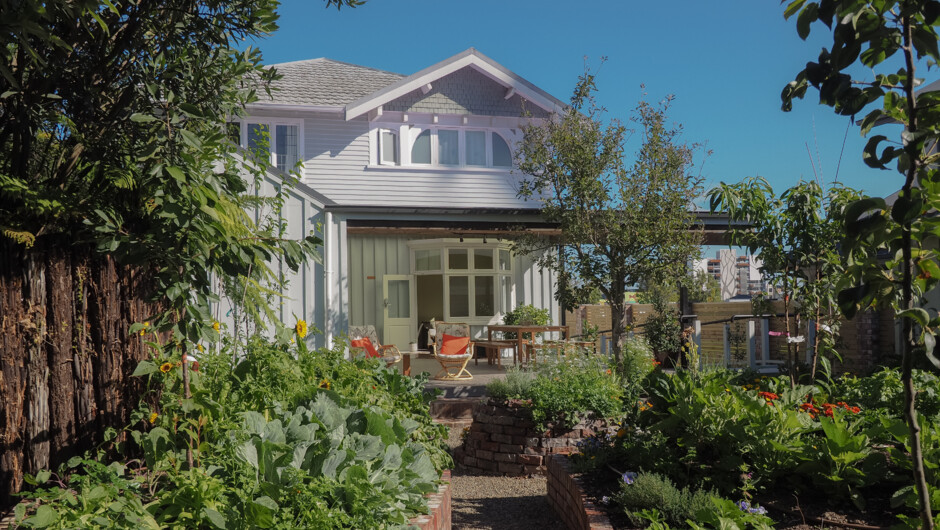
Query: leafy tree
{"points": [[701, 286], [888, 38], [113, 118], [113, 133], [619, 223], [796, 235]]}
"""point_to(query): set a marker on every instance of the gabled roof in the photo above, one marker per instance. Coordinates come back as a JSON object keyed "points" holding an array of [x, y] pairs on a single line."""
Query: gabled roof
{"points": [[470, 57], [326, 83]]}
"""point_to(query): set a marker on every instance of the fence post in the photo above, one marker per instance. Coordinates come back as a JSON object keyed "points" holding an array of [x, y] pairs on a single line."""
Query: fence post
{"points": [[697, 338], [751, 345], [727, 338], [765, 339], [810, 340]]}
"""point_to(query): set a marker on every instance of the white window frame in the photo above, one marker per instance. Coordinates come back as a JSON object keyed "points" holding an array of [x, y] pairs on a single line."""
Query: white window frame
{"points": [[408, 133], [445, 245], [272, 124], [397, 150]]}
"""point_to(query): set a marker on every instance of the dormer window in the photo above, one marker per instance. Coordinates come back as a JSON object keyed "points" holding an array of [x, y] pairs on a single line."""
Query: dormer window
{"points": [[442, 146], [388, 147]]}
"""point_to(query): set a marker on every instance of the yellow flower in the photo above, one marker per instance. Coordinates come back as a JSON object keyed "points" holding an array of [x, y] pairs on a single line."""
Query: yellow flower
{"points": [[216, 326], [199, 347], [153, 417], [144, 331], [301, 328], [325, 384], [166, 367]]}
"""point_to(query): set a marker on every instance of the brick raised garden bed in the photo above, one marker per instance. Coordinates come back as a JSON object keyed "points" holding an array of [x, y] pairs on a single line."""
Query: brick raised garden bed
{"points": [[503, 440], [440, 507], [567, 498]]}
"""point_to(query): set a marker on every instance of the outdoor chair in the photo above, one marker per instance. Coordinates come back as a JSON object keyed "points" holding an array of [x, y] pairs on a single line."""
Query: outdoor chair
{"points": [[364, 339], [454, 349]]}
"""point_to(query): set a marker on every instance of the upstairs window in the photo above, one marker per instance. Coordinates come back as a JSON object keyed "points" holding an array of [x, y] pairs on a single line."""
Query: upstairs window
{"points": [[441, 146], [502, 155], [448, 147], [388, 147], [421, 148], [269, 142]]}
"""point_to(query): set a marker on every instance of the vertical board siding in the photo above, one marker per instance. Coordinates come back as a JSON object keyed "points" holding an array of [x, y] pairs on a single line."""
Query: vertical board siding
{"points": [[302, 215], [379, 256]]}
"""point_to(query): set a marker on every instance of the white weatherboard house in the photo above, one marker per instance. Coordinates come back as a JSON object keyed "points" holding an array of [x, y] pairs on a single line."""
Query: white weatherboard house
{"points": [[408, 180]]}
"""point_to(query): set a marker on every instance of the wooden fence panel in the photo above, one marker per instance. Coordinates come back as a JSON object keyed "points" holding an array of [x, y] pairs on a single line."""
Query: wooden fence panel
{"points": [[66, 356]]}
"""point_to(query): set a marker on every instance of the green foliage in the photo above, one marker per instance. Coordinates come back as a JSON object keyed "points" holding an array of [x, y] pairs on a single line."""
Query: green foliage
{"points": [[637, 365], [620, 221], [113, 135], [318, 442], [515, 385], [662, 329], [527, 314], [883, 390], [797, 236], [565, 390], [572, 388], [653, 491], [889, 38], [724, 513]]}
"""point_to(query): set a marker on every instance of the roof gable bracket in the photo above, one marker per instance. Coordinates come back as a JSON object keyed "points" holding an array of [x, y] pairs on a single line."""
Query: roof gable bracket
{"points": [[510, 93], [375, 113]]}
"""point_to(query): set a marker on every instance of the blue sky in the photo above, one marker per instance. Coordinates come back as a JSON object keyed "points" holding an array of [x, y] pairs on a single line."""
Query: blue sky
{"points": [[725, 62]]}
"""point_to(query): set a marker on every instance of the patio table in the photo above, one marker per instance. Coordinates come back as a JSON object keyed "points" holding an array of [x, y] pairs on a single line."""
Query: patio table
{"points": [[520, 330]]}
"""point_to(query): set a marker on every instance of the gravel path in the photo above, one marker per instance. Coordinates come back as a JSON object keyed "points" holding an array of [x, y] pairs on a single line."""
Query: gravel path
{"points": [[498, 503]]}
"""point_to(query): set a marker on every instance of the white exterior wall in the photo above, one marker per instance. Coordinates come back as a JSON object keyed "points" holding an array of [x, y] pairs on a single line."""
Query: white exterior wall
{"points": [[337, 156], [303, 296], [369, 258]]}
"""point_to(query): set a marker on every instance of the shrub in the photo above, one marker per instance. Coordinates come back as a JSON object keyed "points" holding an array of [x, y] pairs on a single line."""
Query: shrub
{"points": [[515, 385], [285, 438], [568, 389], [650, 490]]}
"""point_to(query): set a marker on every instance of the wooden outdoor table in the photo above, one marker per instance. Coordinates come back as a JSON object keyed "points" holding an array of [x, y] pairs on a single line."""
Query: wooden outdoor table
{"points": [[520, 331], [492, 348]]}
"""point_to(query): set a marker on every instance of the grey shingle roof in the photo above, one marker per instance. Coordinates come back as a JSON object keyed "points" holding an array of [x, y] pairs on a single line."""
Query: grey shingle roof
{"points": [[326, 82]]}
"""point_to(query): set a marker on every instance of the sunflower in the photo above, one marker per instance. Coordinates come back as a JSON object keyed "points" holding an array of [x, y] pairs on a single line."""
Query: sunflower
{"points": [[301, 328], [216, 326], [325, 384], [166, 367]]}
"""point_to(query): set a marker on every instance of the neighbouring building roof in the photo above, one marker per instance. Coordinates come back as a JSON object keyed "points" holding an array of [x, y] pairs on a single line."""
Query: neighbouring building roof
{"points": [[325, 82]]}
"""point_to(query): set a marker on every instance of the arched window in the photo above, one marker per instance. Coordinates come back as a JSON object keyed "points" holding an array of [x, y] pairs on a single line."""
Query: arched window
{"points": [[421, 148], [502, 156]]}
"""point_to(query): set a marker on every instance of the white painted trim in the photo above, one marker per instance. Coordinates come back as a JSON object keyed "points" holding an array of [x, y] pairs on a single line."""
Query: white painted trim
{"points": [[446, 67], [333, 109], [272, 122], [328, 250]]}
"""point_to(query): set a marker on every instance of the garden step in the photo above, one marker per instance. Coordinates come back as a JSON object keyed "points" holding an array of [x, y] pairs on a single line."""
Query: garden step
{"points": [[453, 409], [451, 391]]}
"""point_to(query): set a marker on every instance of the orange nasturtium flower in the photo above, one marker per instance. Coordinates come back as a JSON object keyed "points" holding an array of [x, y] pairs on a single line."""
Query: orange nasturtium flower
{"points": [[166, 367], [301, 328], [769, 396]]}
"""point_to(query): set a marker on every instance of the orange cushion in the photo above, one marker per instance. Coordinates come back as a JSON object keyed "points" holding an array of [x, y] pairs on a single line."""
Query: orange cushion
{"points": [[451, 345], [365, 344]]}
